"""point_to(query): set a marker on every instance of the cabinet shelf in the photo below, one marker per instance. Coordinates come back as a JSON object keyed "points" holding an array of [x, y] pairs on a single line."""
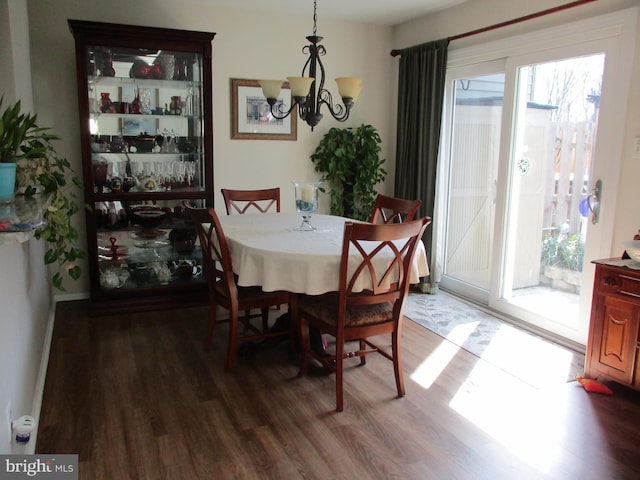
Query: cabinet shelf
{"points": [[141, 116], [143, 82], [139, 197], [121, 184]]}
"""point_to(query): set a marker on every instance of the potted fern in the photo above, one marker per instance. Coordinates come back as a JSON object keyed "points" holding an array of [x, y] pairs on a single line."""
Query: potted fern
{"points": [[44, 172], [349, 159]]}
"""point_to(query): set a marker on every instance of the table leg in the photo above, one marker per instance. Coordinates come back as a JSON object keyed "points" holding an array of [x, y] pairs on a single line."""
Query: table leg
{"points": [[315, 335], [293, 322]]}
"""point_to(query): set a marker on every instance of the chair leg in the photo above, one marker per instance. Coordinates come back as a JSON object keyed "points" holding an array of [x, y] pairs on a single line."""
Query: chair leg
{"points": [[232, 343], [265, 320], [397, 362], [246, 320], [306, 346], [339, 374], [212, 324], [363, 346]]}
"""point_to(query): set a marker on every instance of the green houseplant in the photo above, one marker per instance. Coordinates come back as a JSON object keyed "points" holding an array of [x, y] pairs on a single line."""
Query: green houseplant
{"points": [[350, 163], [16, 129], [22, 140], [563, 251]]}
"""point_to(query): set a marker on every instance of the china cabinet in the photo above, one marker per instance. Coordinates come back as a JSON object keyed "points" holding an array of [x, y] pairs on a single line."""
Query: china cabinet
{"points": [[145, 104], [613, 347]]}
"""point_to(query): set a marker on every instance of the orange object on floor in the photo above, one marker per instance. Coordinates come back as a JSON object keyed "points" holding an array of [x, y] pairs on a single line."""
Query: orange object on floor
{"points": [[594, 386]]}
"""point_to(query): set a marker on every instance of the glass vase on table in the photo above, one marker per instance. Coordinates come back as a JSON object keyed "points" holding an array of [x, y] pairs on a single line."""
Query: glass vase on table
{"points": [[306, 203]]}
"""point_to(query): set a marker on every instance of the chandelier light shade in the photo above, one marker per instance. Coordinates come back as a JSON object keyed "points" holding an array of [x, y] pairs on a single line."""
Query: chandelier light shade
{"points": [[349, 87], [307, 92]]}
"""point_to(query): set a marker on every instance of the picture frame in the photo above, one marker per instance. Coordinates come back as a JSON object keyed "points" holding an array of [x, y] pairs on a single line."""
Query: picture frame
{"points": [[136, 126], [250, 118]]}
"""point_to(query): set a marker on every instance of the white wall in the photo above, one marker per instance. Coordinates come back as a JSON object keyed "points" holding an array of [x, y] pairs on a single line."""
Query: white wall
{"points": [[480, 13], [26, 305], [24, 288]]}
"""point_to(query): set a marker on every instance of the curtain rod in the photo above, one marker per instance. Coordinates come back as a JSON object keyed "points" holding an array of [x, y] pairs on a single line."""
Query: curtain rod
{"points": [[566, 6]]}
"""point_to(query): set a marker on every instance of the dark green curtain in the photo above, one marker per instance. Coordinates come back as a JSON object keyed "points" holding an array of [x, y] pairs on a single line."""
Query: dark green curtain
{"points": [[420, 98]]}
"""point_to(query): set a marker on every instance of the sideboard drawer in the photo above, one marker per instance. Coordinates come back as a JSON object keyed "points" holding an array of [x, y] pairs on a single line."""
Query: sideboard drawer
{"points": [[609, 281], [629, 285]]}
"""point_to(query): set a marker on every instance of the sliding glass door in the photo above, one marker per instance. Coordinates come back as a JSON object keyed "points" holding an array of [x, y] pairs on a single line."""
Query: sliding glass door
{"points": [[471, 178], [548, 189], [528, 139]]}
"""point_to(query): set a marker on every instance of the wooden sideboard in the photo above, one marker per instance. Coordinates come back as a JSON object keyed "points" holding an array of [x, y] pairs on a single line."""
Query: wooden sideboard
{"points": [[613, 347]]}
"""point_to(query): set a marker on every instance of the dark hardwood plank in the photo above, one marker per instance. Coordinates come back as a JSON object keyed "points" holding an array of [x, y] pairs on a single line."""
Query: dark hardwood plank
{"points": [[136, 397]]}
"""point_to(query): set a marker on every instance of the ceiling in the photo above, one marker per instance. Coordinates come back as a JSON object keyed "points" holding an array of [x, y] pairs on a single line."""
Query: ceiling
{"points": [[380, 12]]}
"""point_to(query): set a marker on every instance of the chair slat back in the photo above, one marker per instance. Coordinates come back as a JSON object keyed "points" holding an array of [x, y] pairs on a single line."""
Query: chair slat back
{"points": [[243, 201], [385, 254], [216, 259], [394, 210]]}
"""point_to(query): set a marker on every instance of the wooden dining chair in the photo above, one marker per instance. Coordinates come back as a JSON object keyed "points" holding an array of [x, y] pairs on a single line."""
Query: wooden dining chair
{"points": [[224, 292], [384, 256], [243, 201], [394, 210]]}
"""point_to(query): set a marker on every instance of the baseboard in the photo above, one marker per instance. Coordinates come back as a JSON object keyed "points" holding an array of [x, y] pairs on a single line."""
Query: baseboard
{"points": [[42, 376], [69, 297]]}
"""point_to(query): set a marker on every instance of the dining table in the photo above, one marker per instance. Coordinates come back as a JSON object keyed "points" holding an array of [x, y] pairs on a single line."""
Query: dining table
{"points": [[267, 251]]}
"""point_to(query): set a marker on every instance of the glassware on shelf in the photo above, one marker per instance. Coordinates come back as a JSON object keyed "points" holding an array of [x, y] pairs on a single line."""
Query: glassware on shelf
{"points": [[306, 194], [106, 105], [145, 101], [175, 106], [94, 101], [134, 107], [104, 62], [180, 72], [169, 143], [168, 63], [187, 104]]}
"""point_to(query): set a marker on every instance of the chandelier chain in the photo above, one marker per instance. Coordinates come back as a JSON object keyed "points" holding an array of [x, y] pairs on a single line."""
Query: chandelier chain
{"points": [[315, 17], [312, 81]]}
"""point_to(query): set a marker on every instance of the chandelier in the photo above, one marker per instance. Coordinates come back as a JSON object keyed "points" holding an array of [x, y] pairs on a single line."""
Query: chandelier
{"points": [[307, 92]]}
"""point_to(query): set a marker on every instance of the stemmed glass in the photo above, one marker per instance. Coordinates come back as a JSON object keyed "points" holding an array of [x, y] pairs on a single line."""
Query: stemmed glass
{"points": [[306, 203]]}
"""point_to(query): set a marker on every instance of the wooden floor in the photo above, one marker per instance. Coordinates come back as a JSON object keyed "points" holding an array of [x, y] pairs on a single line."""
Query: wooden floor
{"points": [[137, 398]]}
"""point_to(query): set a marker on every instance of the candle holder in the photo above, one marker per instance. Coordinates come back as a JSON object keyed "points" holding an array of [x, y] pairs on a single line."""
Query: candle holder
{"points": [[306, 203]]}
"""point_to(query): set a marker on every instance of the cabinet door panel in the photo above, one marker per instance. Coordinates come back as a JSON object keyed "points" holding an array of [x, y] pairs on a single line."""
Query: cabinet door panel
{"points": [[619, 337]]}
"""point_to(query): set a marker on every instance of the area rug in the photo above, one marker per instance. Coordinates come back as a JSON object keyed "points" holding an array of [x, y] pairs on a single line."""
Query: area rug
{"points": [[531, 358]]}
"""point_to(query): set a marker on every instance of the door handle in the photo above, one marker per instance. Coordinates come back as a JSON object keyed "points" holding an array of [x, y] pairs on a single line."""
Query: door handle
{"points": [[593, 201]]}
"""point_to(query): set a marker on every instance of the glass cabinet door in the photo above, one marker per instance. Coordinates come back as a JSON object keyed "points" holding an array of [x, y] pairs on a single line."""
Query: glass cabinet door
{"points": [[145, 120]]}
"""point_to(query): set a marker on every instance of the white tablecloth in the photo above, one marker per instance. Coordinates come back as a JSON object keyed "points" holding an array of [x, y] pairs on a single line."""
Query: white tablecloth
{"points": [[267, 251]]}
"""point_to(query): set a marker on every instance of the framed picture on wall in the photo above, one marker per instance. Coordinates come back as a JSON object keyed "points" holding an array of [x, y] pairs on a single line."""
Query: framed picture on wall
{"points": [[251, 117]]}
